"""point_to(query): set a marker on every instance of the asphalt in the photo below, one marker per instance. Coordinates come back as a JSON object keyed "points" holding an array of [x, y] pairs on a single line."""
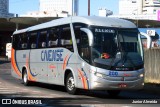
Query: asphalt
{"points": [[147, 87]]}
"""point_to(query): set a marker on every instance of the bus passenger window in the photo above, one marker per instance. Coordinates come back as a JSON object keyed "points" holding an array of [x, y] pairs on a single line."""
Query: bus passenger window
{"points": [[33, 40], [66, 38], [84, 47], [24, 41], [77, 33], [42, 39], [53, 38], [16, 41]]}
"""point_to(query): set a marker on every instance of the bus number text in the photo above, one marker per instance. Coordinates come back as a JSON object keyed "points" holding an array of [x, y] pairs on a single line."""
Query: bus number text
{"points": [[113, 73]]}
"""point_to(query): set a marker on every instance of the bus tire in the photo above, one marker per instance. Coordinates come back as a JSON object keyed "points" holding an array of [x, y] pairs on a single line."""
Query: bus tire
{"points": [[70, 84], [113, 93], [26, 82]]}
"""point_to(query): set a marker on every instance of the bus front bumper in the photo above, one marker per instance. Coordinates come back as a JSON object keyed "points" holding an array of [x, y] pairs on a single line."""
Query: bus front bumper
{"points": [[104, 84]]}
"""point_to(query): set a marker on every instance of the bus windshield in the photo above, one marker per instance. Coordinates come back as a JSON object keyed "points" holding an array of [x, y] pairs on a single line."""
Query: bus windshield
{"points": [[116, 47]]}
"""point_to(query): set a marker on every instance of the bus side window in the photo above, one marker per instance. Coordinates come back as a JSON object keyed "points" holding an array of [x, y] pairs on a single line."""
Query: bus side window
{"points": [[53, 38], [84, 47], [42, 39], [16, 42], [66, 38], [77, 33], [33, 40], [24, 41]]}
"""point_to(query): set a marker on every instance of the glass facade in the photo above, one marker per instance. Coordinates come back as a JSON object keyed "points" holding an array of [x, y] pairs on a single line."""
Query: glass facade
{"points": [[4, 9]]}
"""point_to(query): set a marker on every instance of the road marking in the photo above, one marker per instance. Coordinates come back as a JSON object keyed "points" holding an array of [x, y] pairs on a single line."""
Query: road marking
{"points": [[3, 88], [5, 69], [8, 92], [25, 89], [36, 91], [36, 96]]}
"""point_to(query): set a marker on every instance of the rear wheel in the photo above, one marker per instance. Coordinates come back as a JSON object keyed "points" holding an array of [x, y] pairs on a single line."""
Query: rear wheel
{"points": [[70, 84], [113, 93], [25, 78]]}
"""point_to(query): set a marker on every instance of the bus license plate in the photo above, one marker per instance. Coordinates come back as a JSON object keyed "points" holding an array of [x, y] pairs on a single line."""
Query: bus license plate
{"points": [[122, 85]]}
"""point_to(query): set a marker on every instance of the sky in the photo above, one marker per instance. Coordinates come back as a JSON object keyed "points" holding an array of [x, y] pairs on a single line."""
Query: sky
{"points": [[24, 6]]}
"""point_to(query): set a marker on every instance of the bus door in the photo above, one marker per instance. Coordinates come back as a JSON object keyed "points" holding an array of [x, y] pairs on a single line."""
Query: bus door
{"points": [[85, 54]]}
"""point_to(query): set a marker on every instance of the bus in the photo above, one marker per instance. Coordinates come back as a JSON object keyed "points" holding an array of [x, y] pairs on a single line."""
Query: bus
{"points": [[90, 53], [8, 50]]}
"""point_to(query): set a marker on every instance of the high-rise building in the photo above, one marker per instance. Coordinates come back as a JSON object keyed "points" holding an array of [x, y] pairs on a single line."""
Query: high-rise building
{"points": [[103, 12], [130, 7], [149, 7], [4, 9], [69, 6]]}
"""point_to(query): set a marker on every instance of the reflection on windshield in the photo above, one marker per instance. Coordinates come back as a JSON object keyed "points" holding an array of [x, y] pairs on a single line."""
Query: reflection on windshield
{"points": [[129, 41], [118, 47], [105, 45]]}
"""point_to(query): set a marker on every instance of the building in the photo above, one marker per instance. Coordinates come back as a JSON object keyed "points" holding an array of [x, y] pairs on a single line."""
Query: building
{"points": [[145, 7], [69, 6], [4, 9], [151, 6], [104, 12], [144, 13], [127, 7], [46, 14], [139, 9]]}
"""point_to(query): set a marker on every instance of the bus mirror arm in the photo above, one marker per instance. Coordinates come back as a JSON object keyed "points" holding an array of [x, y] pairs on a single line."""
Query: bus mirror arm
{"points": [[149, 40], [89, 34]]}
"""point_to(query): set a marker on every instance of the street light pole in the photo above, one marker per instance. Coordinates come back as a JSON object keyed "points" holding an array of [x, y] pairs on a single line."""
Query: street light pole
{"points": [[88, 7]]}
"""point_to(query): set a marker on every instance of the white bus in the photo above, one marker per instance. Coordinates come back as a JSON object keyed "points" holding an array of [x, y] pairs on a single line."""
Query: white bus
{"points": [[91, 53], [8, 50]]}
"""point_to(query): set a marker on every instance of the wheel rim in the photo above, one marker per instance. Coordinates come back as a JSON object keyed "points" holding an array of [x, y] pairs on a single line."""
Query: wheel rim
{"points": [[25, 78], [70, 83]]}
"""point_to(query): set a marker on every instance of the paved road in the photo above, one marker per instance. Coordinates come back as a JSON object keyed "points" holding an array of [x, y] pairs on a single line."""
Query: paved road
{"points": [[51, 94]]}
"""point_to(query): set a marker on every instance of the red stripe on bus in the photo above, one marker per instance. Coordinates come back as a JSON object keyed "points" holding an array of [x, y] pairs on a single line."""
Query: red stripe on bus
{"points": [[30, 77], [85, 84], [14, 65], [65, 62]]}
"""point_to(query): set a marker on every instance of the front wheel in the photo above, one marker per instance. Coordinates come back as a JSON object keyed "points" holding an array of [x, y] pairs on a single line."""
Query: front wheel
{"points": [[25, 78], [113, 93], [70, 84]]}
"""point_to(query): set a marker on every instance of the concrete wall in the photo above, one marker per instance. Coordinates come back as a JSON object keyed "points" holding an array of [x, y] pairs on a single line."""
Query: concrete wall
{"points": [[152, 65]]}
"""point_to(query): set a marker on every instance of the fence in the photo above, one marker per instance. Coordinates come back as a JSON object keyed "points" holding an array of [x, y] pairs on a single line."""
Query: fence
{"points": [[152, 65]]}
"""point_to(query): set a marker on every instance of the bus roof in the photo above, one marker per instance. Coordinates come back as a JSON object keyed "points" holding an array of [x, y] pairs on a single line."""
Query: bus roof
{"points": [[90, 20]]}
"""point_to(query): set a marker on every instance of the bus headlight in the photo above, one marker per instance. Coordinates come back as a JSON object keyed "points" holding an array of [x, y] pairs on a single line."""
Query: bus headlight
{"points": [[100, 75], [141, 75]]}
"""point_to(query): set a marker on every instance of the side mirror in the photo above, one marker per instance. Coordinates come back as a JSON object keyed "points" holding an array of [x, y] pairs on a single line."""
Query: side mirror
{"points": [[149, 40], [90, 35]]}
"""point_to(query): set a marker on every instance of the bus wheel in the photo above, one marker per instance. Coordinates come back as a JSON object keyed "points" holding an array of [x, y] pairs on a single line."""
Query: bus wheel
{"points": [[25, 78], [113, 93], [70, 84]]}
